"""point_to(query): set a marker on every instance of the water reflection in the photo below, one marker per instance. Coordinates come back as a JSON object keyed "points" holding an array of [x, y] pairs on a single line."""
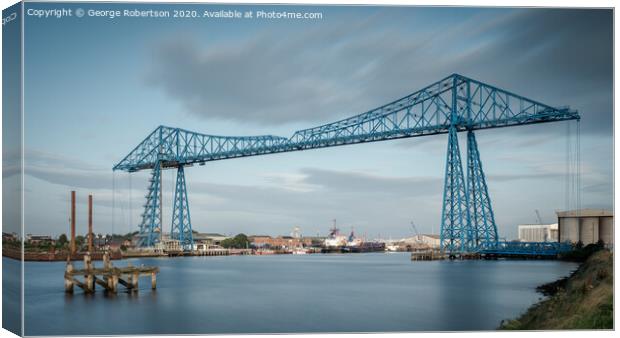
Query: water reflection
{"points": [[281, 294]]}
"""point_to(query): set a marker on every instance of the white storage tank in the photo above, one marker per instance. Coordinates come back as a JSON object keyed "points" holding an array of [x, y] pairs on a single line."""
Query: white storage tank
{"points": [[586, 225], [569, 229], [606, 230], [588, 230]]}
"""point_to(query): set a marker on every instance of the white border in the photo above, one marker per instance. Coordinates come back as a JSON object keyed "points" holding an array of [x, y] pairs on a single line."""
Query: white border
{"points": [[478, 3]]}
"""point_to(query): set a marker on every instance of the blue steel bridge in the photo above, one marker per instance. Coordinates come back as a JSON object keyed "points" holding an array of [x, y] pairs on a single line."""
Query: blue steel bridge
{"points": [[449, 106]]}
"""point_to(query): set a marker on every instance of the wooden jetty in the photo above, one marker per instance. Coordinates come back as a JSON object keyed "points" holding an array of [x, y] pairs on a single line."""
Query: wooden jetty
{"points": [[472, 255], [211, 252], [108, 277], [427, 255]]}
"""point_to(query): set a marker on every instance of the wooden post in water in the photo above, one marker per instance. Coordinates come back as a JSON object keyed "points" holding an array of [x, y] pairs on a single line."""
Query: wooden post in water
{"points": [[72, 223], [106, 261], [109, 281], [89, 278], [90, 224], [129, 277], [114, 283], [87, 262], [90, 283], [153, 280], [68, 276], [135, 281]]}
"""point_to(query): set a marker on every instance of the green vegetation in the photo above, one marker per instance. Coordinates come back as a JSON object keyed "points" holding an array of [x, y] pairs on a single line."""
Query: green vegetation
{"points": [[582, 301], [62, 240], [79, 241], [62, 243], [240, 241], [581, 253], [17, 245], [119, 237]]}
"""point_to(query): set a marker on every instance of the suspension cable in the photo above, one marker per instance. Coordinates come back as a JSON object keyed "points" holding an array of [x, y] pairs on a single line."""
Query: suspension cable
{"points": [[113, 199], [578, 164], [573, 167], [130, 205], [567, 173]]}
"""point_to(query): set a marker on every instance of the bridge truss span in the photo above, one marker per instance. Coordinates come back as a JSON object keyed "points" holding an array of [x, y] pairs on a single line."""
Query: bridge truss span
{"points": [[453, 104]]}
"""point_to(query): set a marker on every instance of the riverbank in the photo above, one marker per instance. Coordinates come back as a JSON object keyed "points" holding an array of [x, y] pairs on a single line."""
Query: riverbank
{"points": [[584, 300], [43, 256], [61, 255]]}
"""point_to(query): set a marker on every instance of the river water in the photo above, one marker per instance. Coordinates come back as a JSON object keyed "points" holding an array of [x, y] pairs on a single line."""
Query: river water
{"points": [[291, 293]]}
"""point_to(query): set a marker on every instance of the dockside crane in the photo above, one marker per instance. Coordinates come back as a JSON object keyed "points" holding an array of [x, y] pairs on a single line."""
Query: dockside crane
{"points": [[418, 238], [538, 217]]}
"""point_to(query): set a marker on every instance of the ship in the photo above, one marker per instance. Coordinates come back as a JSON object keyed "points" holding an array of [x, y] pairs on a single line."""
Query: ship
{"points": [[371, 247], [300, 251], [364, 246], [334, 241], [392, 247], [353, 243]]}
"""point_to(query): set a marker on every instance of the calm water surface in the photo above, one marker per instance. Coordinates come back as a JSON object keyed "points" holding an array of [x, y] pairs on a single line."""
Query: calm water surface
{"points": [[291, 293]]}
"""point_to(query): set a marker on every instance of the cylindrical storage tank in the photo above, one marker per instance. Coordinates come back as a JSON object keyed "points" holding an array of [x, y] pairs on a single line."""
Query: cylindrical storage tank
{"points": [[588, 233], [606, 229], [569, 229]]}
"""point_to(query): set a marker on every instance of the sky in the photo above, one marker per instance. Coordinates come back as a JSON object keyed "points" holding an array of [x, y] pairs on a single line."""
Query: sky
{"points": [[96, 87]]}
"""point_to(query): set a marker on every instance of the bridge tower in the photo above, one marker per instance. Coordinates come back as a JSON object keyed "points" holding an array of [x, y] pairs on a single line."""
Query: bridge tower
{"points": [[181, 221], [151, 224], [482, 220], [467, 222], [455, 226]]}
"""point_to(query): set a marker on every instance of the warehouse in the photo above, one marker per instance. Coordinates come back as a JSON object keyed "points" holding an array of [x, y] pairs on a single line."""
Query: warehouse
{"points": [[586, 225], [538, 232]]}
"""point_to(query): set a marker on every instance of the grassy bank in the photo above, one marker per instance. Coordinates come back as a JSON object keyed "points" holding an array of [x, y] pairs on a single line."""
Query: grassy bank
{"points": [[584, 300]]}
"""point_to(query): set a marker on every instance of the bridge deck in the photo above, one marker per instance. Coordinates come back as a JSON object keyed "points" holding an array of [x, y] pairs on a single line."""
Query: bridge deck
{"points": [[524, 249]]}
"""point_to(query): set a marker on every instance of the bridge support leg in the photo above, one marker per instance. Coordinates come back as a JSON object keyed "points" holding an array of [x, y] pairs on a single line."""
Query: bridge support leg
{"points": [[181, 221], [455, 213], [483, 228], [150, 227]]}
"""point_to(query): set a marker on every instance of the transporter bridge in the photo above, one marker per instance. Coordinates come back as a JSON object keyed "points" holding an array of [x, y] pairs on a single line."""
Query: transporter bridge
{"points": [[449, 106]]}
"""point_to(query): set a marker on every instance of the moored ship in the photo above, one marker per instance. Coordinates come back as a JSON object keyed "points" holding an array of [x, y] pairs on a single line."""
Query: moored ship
{"points": [[335, 242]]}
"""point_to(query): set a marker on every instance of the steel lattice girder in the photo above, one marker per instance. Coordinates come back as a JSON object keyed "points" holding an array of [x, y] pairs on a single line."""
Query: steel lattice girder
{"points": [[150, 227], [181, 220], [426, 112], [483, 228], [455, 218], [527, 248]]}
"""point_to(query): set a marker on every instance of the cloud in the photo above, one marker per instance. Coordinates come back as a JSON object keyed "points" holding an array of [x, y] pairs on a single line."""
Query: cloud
{"points": [[344, 67], [373, 185], [62, 170], [71, 178]]}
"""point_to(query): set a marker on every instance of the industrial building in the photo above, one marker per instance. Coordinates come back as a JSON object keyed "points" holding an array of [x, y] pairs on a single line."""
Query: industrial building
{"points": [[538, 232], [586, 225], [280, 242], [432, 241], [209, 238]]}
